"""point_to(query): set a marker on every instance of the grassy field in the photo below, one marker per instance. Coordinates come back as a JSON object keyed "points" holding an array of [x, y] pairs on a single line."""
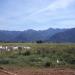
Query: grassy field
{"points": [[43, 55]]}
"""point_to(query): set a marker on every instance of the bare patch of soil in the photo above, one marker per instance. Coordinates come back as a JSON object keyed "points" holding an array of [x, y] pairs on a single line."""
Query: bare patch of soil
{"points": [[33, 71]]}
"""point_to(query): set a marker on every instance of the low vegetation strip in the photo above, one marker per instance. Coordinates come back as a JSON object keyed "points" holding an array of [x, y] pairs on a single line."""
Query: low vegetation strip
{"points": [[45, 55]]}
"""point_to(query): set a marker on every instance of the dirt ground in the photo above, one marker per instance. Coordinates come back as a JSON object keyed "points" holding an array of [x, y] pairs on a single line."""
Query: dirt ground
{"points": [[38, 72]]}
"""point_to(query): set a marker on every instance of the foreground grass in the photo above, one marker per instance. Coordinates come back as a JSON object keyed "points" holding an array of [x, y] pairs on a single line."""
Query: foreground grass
{"points": [[40, 55]]}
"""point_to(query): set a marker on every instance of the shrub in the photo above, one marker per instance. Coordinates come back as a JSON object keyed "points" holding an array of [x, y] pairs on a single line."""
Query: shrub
{"points": [[69, 58], [39, 41], [26, 53], [48, 64], [36, 59], [4, 61]]}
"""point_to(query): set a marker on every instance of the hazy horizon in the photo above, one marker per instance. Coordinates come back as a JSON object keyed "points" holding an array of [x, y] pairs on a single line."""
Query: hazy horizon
{"points": [[35, 29], [20, 15]]}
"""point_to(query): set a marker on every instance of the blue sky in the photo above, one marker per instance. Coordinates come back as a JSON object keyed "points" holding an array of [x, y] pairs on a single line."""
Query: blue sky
{"points": [[36, 14]]}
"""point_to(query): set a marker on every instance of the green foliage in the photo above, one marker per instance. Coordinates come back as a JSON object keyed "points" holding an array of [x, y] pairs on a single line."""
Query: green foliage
{"points": [[41, 55], [39, 41], [26, 53], [48, 64], [4, 61]]}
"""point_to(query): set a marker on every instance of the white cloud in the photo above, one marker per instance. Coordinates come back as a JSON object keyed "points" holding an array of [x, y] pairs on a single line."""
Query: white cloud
{"points": [[58, 4], [43, 13], [36, 15]]}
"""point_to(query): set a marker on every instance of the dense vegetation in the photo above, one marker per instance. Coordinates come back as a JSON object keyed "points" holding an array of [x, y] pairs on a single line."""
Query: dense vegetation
{"points": [[40, 55]]}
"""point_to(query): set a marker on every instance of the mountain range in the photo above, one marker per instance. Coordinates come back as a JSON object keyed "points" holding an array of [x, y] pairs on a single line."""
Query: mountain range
{"points": [[49, 35], [66, 36]]}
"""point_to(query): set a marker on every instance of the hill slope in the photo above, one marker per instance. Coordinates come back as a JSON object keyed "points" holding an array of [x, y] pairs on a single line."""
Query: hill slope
{"points": [[66, 36], [28, 35], [8, 35], [32, 35]]}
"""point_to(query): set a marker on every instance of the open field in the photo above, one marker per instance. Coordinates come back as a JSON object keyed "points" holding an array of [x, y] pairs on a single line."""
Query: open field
{"points": [[40, 59]]}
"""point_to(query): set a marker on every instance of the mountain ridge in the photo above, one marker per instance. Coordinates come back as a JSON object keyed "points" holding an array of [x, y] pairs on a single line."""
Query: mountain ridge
{"points": [[66, 36], [27, 35]]}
